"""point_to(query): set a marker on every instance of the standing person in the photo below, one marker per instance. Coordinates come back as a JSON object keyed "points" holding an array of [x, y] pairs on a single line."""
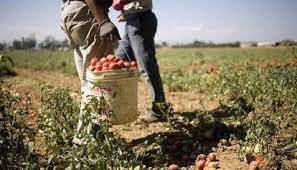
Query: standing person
{"points": [[138, 43], [91, 33]]}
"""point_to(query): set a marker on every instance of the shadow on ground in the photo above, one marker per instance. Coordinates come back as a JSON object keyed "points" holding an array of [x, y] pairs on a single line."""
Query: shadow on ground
{"points": [[191, 134]]}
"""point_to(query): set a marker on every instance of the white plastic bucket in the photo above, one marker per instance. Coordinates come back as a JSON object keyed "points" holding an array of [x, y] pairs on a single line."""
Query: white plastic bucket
{"points": [[119, 88]]}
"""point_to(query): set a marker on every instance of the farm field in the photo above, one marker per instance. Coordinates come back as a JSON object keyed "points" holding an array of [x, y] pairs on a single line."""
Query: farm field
{"points": [[240, 104]]}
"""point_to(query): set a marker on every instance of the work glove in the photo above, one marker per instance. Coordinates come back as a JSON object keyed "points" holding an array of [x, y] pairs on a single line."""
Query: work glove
{"points": [[118, 5], [108, 31]]}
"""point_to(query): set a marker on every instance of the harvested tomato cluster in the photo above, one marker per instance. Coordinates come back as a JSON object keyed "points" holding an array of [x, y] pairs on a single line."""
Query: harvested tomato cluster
{"points": [[110, 62]]}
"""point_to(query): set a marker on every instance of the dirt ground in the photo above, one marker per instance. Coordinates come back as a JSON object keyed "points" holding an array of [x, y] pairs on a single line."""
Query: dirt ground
{"points": [[27, 80]]}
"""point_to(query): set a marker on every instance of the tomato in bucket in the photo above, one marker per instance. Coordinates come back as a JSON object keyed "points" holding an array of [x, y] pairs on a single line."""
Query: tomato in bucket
{"points": [[118, 83]]}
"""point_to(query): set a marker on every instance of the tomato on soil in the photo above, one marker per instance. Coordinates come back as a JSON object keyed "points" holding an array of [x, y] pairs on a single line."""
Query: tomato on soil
{"points": [[173, 167], [259, 159], [199, 165]]}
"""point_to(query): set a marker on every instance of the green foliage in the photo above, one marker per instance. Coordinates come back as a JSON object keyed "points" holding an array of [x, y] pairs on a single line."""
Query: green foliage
{"points": [[272, 94], [202, 58], [184, 81], [58, 120], [51, 43], [44, 60], [15, 147], [256, 88], [25, 43], [6, 65], [58, 123], [204, 44], [260, 98], [167, 58]]}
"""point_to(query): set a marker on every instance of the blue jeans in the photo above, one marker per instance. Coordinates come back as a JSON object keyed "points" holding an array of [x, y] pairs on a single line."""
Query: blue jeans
{"points": [[138, 42]]}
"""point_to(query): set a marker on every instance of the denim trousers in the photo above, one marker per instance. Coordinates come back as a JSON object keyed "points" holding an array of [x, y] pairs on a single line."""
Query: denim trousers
{"points": [[138, 43]]}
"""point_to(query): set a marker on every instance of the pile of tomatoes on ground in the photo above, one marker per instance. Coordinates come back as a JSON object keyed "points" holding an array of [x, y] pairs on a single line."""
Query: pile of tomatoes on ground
{"points": [[110, 62]]}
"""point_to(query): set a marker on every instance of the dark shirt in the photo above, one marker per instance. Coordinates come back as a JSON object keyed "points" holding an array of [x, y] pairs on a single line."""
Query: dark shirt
{"points": [[105, 3]]}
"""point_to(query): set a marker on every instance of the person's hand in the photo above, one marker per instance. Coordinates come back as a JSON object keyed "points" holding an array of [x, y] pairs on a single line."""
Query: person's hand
{"points": [[118, 4], [108, 31]]}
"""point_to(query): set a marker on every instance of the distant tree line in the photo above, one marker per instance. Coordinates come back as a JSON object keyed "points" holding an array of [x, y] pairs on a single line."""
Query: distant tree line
{"points": [[3, 46], [24, 43], [205, 44], [200, 44], [30, 42], [287, 43], [211, 44], [51, 43]]}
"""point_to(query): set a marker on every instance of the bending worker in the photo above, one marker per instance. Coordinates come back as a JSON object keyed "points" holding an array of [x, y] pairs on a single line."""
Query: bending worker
{"points": [[91, 33]]}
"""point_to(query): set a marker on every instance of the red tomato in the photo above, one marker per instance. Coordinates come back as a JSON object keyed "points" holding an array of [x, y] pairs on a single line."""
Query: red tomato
{"points": [[94, 61], [98, 64], [114, 66], [199, 165], [103, 60], [121, 63], [254, 165], [173, 167], [259, 159], [213, 69], [133, 64], [127, 64], [99, 67], [106, 64], [110, 57], [105, 69]]}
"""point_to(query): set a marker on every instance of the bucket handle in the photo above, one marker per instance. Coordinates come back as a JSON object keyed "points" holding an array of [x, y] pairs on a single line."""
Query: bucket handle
{"points": [[126, 53]]}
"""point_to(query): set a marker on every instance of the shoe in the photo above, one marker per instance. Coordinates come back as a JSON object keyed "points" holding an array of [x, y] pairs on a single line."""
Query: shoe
{"points": [[150, 116], [158, 113]]}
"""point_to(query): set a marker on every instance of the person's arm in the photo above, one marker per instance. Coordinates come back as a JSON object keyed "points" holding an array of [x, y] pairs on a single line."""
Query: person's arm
{"points": [[119, 4], [98, 10], [107, 29]]}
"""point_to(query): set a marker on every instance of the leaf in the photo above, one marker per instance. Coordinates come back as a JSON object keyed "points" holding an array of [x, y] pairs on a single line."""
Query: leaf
{"points": [[31, 147], [70, 167], [50, 158]]}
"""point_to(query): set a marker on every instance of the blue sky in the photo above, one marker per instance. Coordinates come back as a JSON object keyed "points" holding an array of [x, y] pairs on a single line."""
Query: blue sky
{"points": [[180, 21]]}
